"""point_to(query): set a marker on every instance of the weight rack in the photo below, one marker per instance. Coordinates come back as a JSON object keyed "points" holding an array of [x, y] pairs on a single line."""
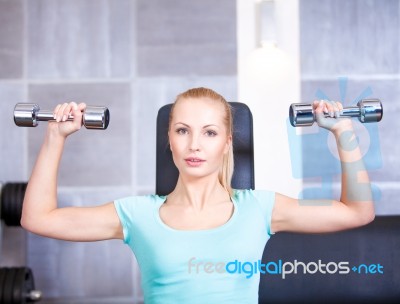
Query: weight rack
{"points": [[17, 285]]}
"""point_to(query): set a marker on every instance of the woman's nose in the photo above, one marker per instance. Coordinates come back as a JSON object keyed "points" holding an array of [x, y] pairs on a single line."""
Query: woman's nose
{"points": [[194, 144]]}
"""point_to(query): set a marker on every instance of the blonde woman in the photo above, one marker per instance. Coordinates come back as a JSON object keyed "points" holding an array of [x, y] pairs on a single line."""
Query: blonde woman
{"points": [[184, 242]]}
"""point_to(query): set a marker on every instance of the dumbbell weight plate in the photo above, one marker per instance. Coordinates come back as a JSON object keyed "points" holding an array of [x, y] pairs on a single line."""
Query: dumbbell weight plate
{"points": [[11, 203], [8, 286], [96, 117], [5, 193], [301, 114], [21, 202], [1, 188], [25, 114], [3, 274], [18, 290], [6, 199], [16, 284], [371, 110], [23, 284], [19, 191]]}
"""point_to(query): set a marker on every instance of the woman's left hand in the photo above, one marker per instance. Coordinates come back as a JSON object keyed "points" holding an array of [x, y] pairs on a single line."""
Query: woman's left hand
{"points": [[333, 122]]}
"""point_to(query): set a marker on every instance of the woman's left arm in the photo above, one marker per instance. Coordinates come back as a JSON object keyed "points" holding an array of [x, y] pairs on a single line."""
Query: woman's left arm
{"points": [[355, 207]]}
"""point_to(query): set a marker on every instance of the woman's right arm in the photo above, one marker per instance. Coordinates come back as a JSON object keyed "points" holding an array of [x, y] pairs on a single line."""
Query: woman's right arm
{"points": [[40, 213]]}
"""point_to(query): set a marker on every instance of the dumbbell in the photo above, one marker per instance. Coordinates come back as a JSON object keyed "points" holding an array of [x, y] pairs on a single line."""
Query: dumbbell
{"points": [[367, 110], [11, 200], [17, 286], [29, 114]]}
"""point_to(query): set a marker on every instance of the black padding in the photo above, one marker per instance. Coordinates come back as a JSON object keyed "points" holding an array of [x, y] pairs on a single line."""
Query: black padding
{"points": [[376, 243], [243, 176]]}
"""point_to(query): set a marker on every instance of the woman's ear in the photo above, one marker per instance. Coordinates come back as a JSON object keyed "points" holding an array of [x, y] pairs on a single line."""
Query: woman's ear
{"points": [[228, 144]]}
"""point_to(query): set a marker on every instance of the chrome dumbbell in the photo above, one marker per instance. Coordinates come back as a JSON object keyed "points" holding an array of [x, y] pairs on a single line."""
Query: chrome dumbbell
{"points": [[367, 110], [29, 114]]}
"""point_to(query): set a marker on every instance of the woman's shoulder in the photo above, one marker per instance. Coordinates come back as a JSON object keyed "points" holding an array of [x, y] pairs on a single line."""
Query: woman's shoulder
{"points": [[143, 199], [252, 193]]}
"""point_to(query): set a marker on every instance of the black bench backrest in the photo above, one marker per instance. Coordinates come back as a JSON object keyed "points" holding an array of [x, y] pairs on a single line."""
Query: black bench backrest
{"points": [[376, 243]]}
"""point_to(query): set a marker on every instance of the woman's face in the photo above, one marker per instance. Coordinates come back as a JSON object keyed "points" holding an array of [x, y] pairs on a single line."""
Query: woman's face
{"points": [[198, 136]]}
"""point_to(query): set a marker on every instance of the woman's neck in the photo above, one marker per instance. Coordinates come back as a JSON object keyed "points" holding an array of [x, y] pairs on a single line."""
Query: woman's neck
{"points": [[198, 193]]}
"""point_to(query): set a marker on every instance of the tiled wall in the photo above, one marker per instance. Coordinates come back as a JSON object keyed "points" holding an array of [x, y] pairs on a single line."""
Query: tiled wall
{"points": [[131, 55], [351, 50]]}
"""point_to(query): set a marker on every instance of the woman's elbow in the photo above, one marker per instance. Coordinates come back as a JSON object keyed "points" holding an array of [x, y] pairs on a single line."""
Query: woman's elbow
{"points": [[367, 217], [27, 223], [30, 224], [370, 218]]}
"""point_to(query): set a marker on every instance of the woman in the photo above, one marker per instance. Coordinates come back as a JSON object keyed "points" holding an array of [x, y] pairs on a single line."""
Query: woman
{"points": [[191, 243]]}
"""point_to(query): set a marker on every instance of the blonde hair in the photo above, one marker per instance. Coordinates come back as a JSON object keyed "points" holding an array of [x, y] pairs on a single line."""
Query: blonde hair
{"points": [[226, 172]]}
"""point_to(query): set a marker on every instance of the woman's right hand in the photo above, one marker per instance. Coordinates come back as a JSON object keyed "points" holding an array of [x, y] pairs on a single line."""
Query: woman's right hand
{"points": [[61, 114]]}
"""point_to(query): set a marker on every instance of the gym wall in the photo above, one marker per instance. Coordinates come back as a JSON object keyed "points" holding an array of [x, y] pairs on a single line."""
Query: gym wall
{"points": [[351, 50], [130, 55], [135, 56]]}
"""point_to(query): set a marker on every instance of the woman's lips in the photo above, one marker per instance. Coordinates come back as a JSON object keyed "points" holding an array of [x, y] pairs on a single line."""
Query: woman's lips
{"points": [[194, 162]]}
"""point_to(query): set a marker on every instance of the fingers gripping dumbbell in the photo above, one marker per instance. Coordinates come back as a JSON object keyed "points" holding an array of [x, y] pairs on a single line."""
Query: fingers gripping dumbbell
{"points": [[367, 110], [29, 114]]}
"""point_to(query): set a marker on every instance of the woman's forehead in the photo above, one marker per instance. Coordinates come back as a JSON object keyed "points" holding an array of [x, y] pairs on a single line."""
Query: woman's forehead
{"points": [[198, 109]]}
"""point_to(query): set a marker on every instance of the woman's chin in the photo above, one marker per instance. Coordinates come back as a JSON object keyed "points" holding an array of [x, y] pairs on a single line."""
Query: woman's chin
{"points": [[188, 172]]}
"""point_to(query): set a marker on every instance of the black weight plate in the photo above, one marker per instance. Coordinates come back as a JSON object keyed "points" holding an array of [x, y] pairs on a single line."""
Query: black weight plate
{"points": [[17, 204], [19, 291], [29, 280], [10, 190], [12, 201], [18, 213], [7, 198], [3, 273], [0, 201], [23, 191], [8, 286], [12, 204], [18, 197], [5, 193], [26, 287]]}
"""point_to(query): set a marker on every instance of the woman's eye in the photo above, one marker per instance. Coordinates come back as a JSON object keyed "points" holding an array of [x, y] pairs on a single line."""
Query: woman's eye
{"points": [[181, 131], [211, 133]]}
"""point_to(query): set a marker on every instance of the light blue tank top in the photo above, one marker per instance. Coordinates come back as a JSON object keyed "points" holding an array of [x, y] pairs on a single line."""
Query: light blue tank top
{"points": [[217, 265]]}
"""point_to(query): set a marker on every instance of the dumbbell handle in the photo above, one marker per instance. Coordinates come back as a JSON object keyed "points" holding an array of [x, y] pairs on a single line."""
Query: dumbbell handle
{"points": [[348, 112], [34, 296], [367, 110], [28, 115], [48, 116]]}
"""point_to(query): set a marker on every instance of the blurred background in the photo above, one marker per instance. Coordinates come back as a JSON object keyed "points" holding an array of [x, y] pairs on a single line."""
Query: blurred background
{"points": [[134, 56]]}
